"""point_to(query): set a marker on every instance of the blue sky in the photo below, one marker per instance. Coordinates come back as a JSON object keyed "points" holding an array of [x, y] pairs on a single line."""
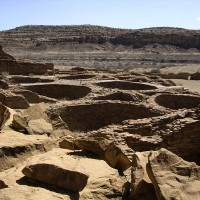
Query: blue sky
{"points": [[113, 13]]}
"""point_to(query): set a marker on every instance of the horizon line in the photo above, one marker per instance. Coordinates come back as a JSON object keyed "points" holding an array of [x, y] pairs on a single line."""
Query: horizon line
{"points": [[73, 25]]}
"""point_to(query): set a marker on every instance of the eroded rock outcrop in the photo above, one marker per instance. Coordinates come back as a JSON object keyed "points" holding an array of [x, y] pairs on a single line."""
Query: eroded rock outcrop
{"points": [[108, 141], [107, 150], [60, 169], [68, 143], [100, 46], [39, 127], [4, 115], [172, 177], [37, 119], [16, 147], [141, 186], [30, 96], [57, 175], [176, 132], [12, 100], [178, 37], [21, 120]]}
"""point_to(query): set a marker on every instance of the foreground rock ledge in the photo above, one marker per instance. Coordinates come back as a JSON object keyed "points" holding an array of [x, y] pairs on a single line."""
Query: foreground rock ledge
{"points": [[73, 181], [106, 150], [69, 170], [16, 147], [172, 177]]}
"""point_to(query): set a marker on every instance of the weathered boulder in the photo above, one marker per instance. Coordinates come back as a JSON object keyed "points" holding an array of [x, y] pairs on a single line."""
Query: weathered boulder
{"points": [[69, 170], [39, 127], [94, 145], [35, 112], [141, 186], [144, 143], [55, 119], [19, 122], [105, 187], [68, 143], [172, 177], [4, 115], [107, 150], [13, 101], [116, 158], [62, 176], [103, 182], [37, 119], [31, 97]]}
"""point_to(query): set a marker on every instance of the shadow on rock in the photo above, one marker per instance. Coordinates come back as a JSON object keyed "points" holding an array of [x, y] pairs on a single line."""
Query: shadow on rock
{"points": [[31, 183], [83, 154]]}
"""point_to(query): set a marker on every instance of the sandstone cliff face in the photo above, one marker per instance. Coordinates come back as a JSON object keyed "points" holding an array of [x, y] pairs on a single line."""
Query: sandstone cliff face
{"points": [[100, 46], [181, 38], [38, 37]]}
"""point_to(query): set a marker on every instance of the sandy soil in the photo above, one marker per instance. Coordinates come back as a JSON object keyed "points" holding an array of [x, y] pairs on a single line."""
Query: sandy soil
{"points": [[192, 85]]}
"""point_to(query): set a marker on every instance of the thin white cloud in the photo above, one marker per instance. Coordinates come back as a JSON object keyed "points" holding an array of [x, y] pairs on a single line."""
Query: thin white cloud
{"points": [[198, 18]]}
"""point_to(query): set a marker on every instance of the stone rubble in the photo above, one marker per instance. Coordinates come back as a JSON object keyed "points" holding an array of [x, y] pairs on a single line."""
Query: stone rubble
{"points": [[89, 134]]}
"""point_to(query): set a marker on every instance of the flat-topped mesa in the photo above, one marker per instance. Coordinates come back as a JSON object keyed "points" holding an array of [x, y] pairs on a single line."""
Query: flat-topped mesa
{"points": [[39, 36], [178, 37], [9, 65]]}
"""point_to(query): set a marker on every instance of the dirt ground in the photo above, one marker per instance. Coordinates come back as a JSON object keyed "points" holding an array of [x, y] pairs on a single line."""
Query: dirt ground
{"points": [[193, 85]]}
